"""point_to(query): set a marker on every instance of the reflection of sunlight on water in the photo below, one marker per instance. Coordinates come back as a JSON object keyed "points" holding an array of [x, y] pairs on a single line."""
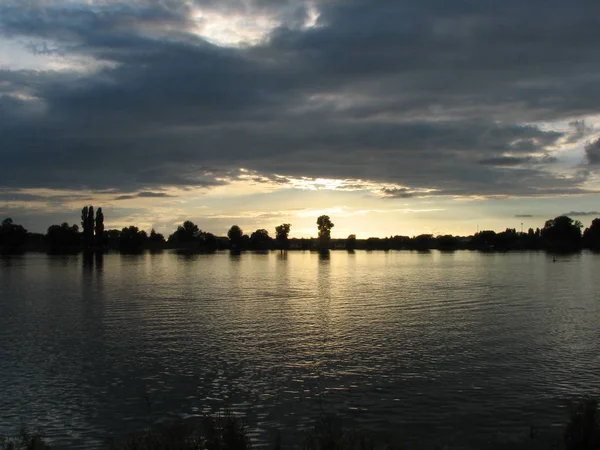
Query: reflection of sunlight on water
{"points": [[465, 340]]}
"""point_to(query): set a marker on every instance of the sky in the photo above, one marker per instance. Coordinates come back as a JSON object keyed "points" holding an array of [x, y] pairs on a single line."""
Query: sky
{"points": [[392, 117]]}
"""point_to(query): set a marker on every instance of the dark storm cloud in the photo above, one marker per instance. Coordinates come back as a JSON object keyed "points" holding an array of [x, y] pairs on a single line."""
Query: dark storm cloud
{"points": [[423, 95]]}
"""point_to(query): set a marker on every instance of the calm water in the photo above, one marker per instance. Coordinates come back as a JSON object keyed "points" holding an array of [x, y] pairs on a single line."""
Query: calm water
{"points": [[461, 348]]}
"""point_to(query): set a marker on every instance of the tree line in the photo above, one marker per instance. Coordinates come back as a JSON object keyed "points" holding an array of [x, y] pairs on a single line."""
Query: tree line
{"points": [[559, 234]]}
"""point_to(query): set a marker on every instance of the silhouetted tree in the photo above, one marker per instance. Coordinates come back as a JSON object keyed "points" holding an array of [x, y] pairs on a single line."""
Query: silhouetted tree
{"points": [[447, 242], [99, 228], [84, 222], [235, 234], [90, 225], [351, 242], [131, 239], [12, 237], [531, 240], [374, 243], [111, 238], [208, 242], [591, 235], [324, 225], [87, 224], [484, 240], [281, 235], [244, 242], [507, 239], [423, 242], [63, 238], [562, 233], [186, 233], [260, 240], [156, 238], [400, 242]]}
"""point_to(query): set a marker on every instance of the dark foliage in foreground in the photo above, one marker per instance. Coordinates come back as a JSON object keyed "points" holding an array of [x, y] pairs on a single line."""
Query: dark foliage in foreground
{"points": [[330, 435], [583, 430], [25, 440], [210, 433], [228, 432]]}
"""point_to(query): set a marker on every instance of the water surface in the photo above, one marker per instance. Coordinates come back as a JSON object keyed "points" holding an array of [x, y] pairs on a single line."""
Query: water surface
{"points": [[459, 348]]}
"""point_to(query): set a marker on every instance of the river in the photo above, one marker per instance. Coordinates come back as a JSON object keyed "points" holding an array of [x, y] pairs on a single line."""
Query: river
{"points": [[464, 349]]}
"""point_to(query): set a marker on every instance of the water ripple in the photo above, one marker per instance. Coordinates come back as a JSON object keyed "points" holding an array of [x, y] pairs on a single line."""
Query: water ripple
{"points": [[463, 349]]}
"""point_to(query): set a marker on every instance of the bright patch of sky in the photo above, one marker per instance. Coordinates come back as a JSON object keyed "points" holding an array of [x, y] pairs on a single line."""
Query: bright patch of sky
{"points": [[232, 30], [21, 53], [240, 28]]}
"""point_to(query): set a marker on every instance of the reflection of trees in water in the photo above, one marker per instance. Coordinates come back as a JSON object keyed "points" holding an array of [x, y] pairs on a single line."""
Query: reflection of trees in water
{"points": [[6, 260], [323, 310], [88, 261], [324, 255]]}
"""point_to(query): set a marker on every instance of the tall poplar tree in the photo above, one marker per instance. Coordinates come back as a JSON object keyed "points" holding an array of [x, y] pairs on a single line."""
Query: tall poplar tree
{"points": [[84, 224], [99, 228], [90, 227]]}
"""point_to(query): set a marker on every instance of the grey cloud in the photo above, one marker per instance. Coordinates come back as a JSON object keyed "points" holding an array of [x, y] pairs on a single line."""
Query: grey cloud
{"points": [[582, 213], [459, 58], [145, 194], [397, 193], [580, 129], [506, 161], [592, 152], [349, 99], [153, 195], [523, 216], [18, 196], [516, 161]]}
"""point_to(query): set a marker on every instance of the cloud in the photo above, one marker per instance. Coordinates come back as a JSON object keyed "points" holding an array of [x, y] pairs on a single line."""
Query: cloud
{"points": [[144, 195], [582, 213], [523, 216], [579, 130], [397, 193], [592, 152], [516, 161], [453, 113]]}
